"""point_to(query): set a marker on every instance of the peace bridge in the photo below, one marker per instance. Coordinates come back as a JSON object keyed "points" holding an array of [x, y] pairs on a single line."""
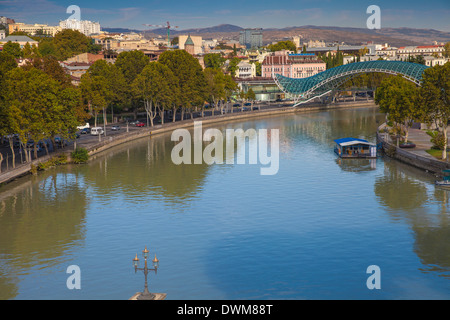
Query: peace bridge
{"points": [[306, 89]]}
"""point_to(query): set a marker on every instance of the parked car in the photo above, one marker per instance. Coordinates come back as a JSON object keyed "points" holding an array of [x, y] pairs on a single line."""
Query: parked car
{"points": [[85, 131], [115, 128], [236, 105], [83, 127], [247, 104], [140, 124], [96, 131]]}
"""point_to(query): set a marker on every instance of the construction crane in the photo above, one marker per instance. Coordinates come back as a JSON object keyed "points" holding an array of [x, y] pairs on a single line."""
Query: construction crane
{"points": [[168, 26]]}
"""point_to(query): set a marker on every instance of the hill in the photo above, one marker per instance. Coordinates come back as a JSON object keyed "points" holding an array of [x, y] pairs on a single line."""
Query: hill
{"points": [[394, 36]]}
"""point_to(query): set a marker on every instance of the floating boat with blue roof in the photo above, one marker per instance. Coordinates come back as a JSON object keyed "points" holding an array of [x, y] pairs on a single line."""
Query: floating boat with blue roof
{"points": [[355, 148]]}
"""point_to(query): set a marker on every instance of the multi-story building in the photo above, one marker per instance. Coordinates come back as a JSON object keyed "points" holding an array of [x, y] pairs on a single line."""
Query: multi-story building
{"points": [[245, 70], [2, 34], [300, 65], [33, 29], [84, 26], [251, 38], [420, 50]]}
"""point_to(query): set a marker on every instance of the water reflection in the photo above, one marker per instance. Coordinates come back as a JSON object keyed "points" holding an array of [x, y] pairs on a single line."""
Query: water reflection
{"points": [[40, 218], [411, 197], [356, 165], [143, 168], [291, 234]]}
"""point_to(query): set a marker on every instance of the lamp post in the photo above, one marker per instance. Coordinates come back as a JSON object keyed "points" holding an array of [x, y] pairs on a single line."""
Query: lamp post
{"points": [[146, 295]]}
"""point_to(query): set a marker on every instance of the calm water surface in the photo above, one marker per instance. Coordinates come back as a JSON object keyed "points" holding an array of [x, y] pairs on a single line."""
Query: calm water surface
{"points": [[225, 231]]}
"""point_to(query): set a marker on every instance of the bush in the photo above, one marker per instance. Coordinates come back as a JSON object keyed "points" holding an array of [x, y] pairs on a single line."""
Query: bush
{"points": [[438, 141], [80, 155]]}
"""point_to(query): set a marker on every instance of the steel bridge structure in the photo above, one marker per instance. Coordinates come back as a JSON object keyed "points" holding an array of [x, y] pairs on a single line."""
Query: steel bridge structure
{"points": [[306, 89]]}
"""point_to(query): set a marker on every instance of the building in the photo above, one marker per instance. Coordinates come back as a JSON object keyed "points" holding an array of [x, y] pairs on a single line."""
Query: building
{"points": [[196, 40], [34, 29], [84, 26], [300, 65], [2, 34], [75, 70], [405, 52], [245, 70], [21, 40], [251, 38], [434, 61], [189, 46], [85, 58]]}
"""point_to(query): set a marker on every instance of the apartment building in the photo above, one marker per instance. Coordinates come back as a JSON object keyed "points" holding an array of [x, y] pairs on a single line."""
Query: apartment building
{"points": [[288, 64]]}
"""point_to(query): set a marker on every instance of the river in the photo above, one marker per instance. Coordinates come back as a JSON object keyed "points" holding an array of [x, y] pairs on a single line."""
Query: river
{"points": [[224, 231]]}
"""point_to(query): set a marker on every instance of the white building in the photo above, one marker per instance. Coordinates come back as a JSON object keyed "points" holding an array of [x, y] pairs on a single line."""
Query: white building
{"points": [[84, 26], [433, 61], [245, 70], [2, 34]]}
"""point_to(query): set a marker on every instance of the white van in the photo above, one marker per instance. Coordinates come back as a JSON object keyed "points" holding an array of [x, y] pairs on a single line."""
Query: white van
{"points": [[96, 131]]}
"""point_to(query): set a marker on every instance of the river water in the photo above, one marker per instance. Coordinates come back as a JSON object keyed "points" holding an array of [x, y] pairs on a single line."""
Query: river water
{"points": [[224, 231]]}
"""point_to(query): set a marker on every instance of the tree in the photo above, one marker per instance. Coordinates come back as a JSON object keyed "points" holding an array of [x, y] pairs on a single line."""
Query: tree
{"points": [[233, 66], [213, 60], [7, 63], [191, 79], [50, 66], [435, 98], [251, 96], [68, 43], [38, 107], [131, 64], [13, 49], [283, 45], [446, 52], [157, 87], [398, 98], [215, 80], [94, 91]]}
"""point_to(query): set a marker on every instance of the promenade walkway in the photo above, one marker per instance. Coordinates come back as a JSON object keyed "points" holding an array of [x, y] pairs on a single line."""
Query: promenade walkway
{"points": [[418, 156]]}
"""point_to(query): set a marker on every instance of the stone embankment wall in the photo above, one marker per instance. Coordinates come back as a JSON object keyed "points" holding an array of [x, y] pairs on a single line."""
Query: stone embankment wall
{"points": [[425, 163]]}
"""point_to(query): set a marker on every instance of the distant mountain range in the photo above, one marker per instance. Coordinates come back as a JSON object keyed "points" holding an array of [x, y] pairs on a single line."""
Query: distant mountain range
{"points": [[394, 36]]}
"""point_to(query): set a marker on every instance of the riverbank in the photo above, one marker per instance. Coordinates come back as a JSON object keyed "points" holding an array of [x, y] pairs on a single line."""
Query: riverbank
{"points": [[95, 146], [417, 157]]}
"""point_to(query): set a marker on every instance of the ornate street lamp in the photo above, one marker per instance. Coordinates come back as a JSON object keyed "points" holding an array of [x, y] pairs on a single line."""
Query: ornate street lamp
{"points": [[146, 295]]}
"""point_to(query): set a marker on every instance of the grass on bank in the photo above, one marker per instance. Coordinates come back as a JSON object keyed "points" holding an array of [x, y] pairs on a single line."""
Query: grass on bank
{"points": [[436, 153]]}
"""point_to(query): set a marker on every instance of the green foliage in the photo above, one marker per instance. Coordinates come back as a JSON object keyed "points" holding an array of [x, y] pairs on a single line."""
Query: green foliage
{"points": [[398, 98], [131, 64], [80, 155], [53, 162], [333, 60], [416, 59], [13, 49], [282, 45], [69, 43], [213, 60], [233, 66], [191, 79], [446, 52], [437, 139]]}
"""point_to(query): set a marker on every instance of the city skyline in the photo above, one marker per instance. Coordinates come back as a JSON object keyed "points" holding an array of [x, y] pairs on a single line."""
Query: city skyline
{"points": [[263, 14]]}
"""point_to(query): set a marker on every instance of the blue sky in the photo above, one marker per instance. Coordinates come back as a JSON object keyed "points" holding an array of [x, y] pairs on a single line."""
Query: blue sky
{"points": [[430, 14]]}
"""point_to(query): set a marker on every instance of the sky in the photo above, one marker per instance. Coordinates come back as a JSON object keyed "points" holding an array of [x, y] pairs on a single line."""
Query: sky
{"points": [[186, 14]]}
